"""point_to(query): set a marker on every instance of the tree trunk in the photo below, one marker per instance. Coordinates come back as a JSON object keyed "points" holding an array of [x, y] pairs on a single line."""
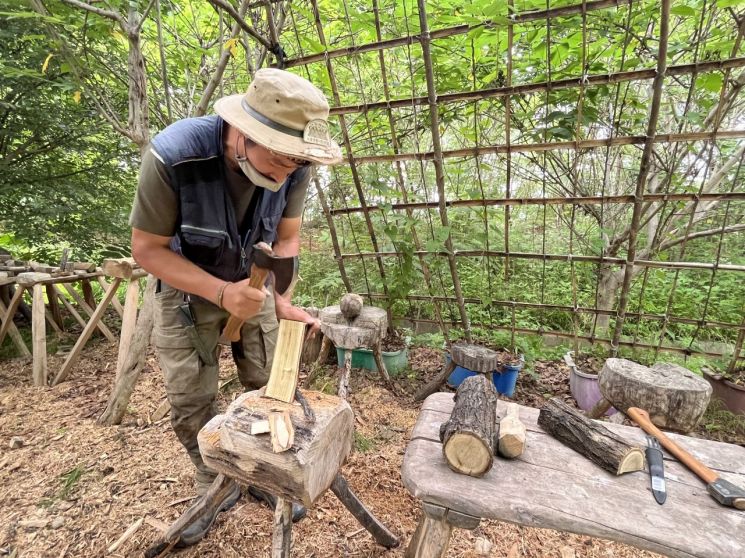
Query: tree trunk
{"points": [[135, 360]]}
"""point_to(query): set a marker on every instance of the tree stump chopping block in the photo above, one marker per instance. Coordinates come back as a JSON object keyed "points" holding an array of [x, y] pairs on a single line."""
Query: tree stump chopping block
{"points": [[674, 397], [301, 474], [471, 357], [469, 437]]}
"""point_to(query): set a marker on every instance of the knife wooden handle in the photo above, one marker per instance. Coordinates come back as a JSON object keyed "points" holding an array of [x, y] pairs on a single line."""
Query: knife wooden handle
{"points": [[232, 331], [641, 417]]}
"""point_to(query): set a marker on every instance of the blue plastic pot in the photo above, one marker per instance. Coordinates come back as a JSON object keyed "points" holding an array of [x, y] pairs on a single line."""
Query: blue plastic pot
{"points": [[504, 379]]}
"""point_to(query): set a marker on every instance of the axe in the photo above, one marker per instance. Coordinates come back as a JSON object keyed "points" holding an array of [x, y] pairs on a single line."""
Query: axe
{"points": [[265, 262], [720, 489]]}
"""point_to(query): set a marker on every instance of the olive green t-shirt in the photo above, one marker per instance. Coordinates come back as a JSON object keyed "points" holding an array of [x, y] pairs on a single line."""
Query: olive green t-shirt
{"points": [[155, 209]]}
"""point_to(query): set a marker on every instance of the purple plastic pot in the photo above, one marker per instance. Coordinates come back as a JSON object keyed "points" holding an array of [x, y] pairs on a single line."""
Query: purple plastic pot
{"points": [[731, 395], [586, 390]]}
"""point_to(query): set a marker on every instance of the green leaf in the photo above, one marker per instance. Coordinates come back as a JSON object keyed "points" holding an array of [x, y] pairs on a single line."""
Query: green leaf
{"points": [[682, 10], [710, 82]]}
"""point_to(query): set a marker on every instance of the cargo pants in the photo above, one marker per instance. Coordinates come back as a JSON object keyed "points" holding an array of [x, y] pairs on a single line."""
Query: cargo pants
{"points": [[190, 378]]}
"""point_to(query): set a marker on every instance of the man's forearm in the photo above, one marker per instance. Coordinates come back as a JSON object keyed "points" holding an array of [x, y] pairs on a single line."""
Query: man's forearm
{"points": [[178, 272]]}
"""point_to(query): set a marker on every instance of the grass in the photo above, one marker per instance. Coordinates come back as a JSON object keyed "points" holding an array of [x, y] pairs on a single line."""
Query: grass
{"points": [[363, 444]]}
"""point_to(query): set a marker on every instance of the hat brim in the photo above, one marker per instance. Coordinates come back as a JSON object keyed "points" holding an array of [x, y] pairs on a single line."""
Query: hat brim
{"points": [[230, 109]]}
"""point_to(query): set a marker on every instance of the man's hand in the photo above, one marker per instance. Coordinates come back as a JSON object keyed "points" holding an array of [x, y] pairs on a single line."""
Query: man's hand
{"points": [[242, 301], [289, 312]]}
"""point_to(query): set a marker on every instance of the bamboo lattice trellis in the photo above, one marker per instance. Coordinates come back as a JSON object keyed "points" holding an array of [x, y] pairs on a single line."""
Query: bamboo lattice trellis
{"points": [[417, 151]]}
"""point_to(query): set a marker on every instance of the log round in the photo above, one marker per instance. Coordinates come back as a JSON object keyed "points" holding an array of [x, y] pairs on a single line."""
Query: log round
{"points": [[469, 437], [474, 357], [301, 474], [351, 305], [674, 397], [366, 330]]}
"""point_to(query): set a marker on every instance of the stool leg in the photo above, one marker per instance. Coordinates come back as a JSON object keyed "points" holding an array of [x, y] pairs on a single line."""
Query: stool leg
{"points": [[431, 538], [344, 376], [39, 336], [378, 354], [282, 535], [346, 496], [435, 384]]}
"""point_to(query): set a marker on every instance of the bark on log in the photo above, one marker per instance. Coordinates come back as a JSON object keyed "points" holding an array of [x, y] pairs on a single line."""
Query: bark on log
{"points": [[474, 357], [132, 366], [469, 437], [300, 475], [590, 438], [674, 397]]}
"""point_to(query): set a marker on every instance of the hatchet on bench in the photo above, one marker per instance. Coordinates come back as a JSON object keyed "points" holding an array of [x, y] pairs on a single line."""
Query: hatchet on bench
{"points": [[720, 489], [265, 261]]}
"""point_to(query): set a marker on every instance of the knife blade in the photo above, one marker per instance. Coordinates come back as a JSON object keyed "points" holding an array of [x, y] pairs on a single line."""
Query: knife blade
{"points": [[656, 469]]}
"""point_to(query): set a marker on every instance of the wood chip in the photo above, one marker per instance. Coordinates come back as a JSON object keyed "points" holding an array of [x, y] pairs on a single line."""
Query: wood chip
{"points": [[127, 534]]}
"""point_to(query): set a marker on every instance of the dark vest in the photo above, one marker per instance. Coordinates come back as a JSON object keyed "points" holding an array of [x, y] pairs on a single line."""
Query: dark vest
{"points": [[208, 230]]}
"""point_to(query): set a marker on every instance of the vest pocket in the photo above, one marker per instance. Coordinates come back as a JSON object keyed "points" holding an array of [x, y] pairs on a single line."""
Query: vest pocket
{"points": [[203, 246]]}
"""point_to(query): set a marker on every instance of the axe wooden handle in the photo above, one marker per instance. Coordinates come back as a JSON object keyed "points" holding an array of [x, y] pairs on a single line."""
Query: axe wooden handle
{"points": [[641, 417], [232, 331]]}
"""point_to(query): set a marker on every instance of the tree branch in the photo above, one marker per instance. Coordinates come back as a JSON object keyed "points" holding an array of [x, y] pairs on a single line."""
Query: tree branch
{"points": [[700, 234], [242, 22], [104, 13]]}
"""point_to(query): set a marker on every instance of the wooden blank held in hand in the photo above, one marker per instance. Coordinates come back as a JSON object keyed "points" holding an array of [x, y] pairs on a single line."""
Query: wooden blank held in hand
{"points": [[469, 436], [283, 378]]}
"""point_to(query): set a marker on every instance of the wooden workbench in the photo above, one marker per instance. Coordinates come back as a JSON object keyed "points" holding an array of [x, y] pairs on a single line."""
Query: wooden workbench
{"points": [[552, 486]]}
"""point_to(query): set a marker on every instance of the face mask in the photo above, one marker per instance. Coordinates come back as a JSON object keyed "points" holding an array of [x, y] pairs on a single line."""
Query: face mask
{"points": [[256, 177]]}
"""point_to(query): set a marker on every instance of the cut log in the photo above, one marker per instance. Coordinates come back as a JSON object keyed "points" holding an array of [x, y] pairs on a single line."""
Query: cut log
{"points": [[119, 267], [474, 357], [301, 475], [351, 305], [675, 397], [590, 438], [469, 437], [284, 374], [511, 433], [282, 433]]}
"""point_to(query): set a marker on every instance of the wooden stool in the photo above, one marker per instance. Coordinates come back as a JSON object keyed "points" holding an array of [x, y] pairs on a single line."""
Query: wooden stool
{"points": [[471, 357], [367, 330], [674, 397]]}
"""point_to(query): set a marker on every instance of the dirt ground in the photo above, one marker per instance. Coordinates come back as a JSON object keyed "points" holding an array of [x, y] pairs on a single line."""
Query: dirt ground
{"points": [[74, 487]]}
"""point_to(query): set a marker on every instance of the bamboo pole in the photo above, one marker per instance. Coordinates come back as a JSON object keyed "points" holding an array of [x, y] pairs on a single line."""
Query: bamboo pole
{"points": [[453, 31], [438, 162], [643, 172], [508, 142], [332, 233], [350, 156]]}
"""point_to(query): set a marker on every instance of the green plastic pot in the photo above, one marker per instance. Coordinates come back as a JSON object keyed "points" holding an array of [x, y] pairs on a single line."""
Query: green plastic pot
{"points": [[395, 361]]}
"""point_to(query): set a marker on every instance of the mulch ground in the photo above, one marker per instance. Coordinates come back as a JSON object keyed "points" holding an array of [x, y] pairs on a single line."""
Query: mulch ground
{"points": [[74, 487]]}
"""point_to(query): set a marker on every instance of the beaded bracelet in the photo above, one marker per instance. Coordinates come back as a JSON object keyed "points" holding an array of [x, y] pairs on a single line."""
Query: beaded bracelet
{"points": [[220, 292]]}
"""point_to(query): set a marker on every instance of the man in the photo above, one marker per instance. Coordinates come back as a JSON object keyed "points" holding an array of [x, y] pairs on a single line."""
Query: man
{"points": [[210, 188]]}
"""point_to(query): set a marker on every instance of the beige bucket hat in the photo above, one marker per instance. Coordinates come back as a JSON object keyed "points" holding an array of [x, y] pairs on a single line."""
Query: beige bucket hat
{"points": [[284, 113]]}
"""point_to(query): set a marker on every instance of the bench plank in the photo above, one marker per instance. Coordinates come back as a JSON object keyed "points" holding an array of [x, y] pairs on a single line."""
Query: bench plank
{"points": [[551, 486]]}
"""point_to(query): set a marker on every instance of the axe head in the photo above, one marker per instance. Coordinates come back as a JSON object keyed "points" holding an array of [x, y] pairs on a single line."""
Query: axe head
{"points": [[284, 268], [727, 493]]}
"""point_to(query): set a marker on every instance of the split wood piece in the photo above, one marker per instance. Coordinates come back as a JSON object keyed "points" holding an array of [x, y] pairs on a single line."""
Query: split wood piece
{"points": [[351, 305], [511, 433], [471, 357], [39, 336], [469, 437], [674, 397], [30, 278], [282, 433], [72, 358], [54, 307], [301, 475], [129, 321], [114, 301], [286, 364], [89, 310], [8, 327], [163, 409], [590, 438], [126, 535], [260, 427], [380, 532], [221, 487], [282, 531], [345, 372], [120, 267]]}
